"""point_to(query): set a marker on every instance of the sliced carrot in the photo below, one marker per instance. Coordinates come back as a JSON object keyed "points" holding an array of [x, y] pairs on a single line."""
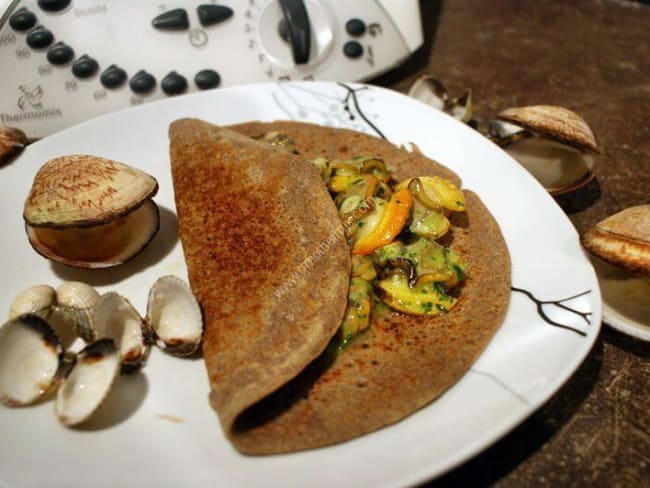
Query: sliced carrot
{"points": [[397, 212]]}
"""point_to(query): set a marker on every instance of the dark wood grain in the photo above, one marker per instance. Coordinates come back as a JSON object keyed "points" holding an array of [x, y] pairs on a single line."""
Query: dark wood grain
{"points": [[592, 56]]}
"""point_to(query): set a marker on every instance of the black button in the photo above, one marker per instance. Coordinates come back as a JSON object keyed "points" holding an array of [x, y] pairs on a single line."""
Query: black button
{"points": [[355, 27], [53, 5], [207, 79], [173, 20], [39, 38], [84, 67], [213, 14], [142, 82], [113, 76], [60, 53], [173, 84], [352, 49], [22, 20]]}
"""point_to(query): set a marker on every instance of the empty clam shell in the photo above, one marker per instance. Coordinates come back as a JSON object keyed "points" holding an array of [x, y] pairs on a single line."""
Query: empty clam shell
{"points": [[12, 142], [461, 107], [88, 382], [75, 302], [37, 299], [431, 91], [558, 123], [116, 318], [174, 316], [30, 357], [90, 212], [623, 239]]}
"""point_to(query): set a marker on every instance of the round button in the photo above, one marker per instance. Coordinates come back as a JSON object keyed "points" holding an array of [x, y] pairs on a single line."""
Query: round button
{"points": [[84, 67], [355, 27], [352, 49], [22, 20], [173, 84], [60, 54], [207, 79], [53, 5], [113, 76], [40, 38], [142, 82]]}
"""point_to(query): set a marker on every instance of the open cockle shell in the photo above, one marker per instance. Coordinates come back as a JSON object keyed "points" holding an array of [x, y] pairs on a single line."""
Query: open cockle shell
{"points": [[553, 143], [623, 239], [174, 318], [30, 357], [90, 212], [37, 299], [88, 382], [557, 123], [75, 302], [114, 317]]}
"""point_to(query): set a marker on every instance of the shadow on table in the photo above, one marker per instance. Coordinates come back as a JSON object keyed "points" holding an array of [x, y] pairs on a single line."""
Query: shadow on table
{"points": [[503, 457], [580, 199]]}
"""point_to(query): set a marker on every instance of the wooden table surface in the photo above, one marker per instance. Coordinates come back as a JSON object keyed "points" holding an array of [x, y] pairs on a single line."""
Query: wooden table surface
{"points": [[592, 56]]}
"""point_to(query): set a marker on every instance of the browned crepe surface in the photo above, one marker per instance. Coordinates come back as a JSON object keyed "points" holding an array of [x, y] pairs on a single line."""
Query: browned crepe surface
{"points": [[314, 140], [251, 219], [401, 362]]}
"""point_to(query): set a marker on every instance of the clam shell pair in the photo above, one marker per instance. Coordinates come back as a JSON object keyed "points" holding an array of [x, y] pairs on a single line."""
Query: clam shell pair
{"points": [[32, 364], [90, 212], [32, 360], [553, 143]]}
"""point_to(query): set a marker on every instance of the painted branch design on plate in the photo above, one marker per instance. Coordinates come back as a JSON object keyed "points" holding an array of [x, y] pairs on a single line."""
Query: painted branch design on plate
{"points": [[352, 97], [559, 304]]}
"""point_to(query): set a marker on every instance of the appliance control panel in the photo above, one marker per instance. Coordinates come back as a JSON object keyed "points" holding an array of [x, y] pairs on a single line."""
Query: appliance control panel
{"points": [[65, 61]]}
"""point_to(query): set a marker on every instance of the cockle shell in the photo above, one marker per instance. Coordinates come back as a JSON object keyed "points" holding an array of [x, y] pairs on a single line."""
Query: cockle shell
{"points": [[432, 91], [30, 358], [37, 299], [174, 318], [558, 123], [75, 302], [88, 382], [116, 318], [623, 239], [91, 212]]}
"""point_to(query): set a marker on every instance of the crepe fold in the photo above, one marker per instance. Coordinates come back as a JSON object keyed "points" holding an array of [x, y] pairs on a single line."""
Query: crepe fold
{"points": [[398, 365]]}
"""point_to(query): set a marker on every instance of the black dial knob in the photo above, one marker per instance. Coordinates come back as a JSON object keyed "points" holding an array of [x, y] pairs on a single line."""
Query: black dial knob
{"points": [[295, 13], [207, 79], [172, 20], [53, 5], [22, 20], [213, 14], [113, 77], [84, 67], [60, 53], [173, 84], [142, 82], [40, 38]]}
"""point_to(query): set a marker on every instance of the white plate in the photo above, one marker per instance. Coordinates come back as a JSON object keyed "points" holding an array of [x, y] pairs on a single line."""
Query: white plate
{"points": [[626, 299], [158, 429]]}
